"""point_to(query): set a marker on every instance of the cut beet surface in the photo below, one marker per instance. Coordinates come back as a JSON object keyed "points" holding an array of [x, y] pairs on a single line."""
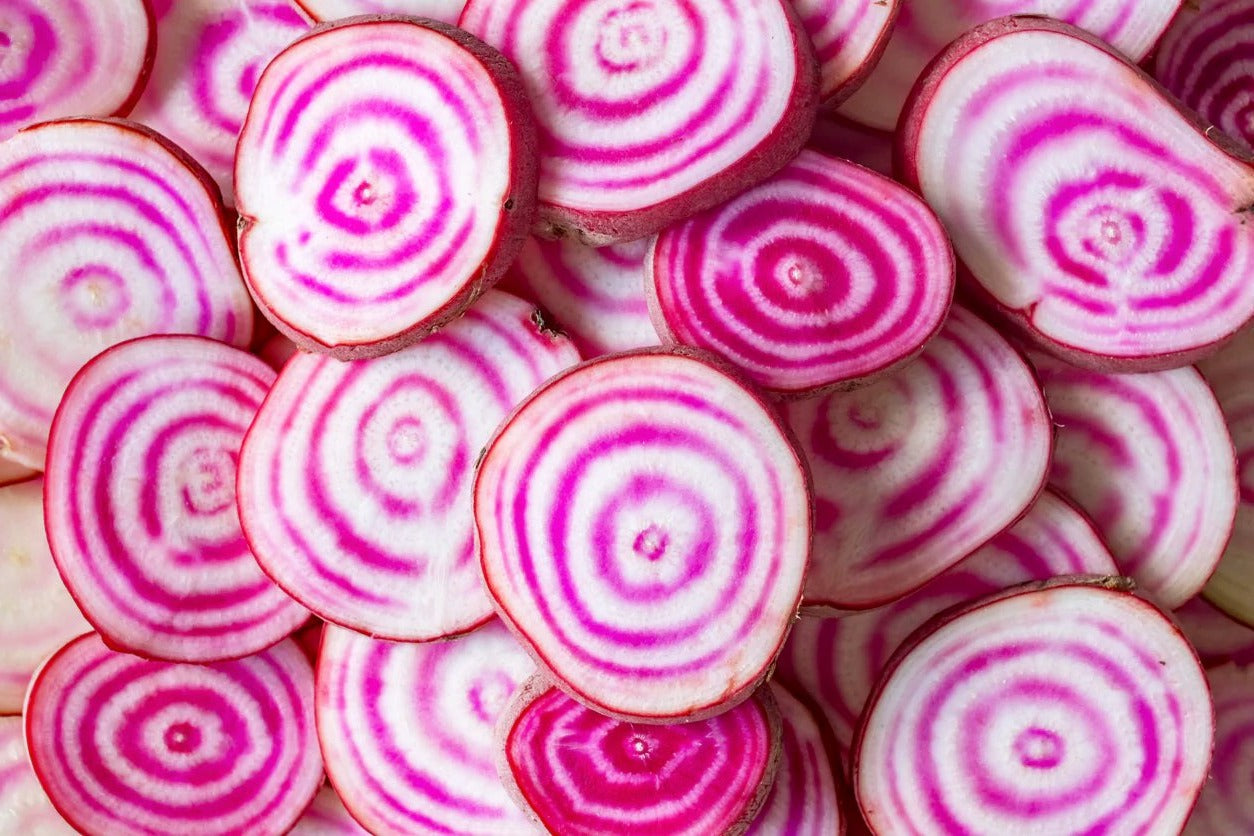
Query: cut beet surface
{"points": [[24, 806], [442, 10], [848, 39]]}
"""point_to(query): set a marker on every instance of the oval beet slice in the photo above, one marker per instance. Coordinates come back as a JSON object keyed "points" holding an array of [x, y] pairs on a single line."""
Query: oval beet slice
{"points": [[327, 816], [1225, 805], [1216, 637], [24, 806], [848, 38], [1067, 707], [442, 10], [1091, 210], [128, 746], [385, 177]]}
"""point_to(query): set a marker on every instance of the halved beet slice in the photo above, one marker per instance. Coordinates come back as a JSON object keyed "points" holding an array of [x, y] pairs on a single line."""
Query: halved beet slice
{"points": [[650, 113], [1092, 211], [643, 525], [408, 730], [108, 232], [385, 177], [1226, 805], [837, 137], [24, 806], [72, 58], [327, 816], [1216, 637], [140, 501], [443, 10], [580, 773], [823, 276], [848, 38], [1066, 707], [371, 526], [922, 467], [1148, 457]]}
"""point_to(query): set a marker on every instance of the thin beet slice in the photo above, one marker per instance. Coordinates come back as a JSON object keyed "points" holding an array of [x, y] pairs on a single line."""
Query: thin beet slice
{"points": [[108, 233], [125, 746], [848, 39], [1148, 457], [838, 137], [385, 177], [921, 468], [581, 773], [1226, 805], [823, 276], [649, 114], [1066, 707], [446, 11], [327, 816], [139, 501], [371, 526], [408, 730], [1092, 211], [643, 525], [24, 806], [1216, 637]]}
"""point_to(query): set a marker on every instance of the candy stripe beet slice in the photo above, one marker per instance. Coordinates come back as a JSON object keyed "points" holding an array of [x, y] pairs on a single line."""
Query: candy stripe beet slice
{"points": [[371, 526], [1150, 460], [822, 276], [385, 177], [125, 746], [108, 233], [1090, 209], [921, 468], [1070, 706], [1216, 637], [581, 773], [1226, 805], [837, 137], [327, 816], [643, 525], [408, 730], [650, 112], [140, 501], [443, 10], [848, 39], [24, 806]]}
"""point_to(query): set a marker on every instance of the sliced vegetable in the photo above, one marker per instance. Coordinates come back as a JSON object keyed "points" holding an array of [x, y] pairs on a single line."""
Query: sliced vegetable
{"points": [[1226, 805], [24, 806], [443, 10], [848, 39], [327, 816], [837, 137], [1216, 637]]}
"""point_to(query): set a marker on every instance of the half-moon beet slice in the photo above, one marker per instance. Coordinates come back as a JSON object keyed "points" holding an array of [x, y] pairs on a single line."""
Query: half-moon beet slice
{"points": [[922, 467], [651, 112], [644, 526], [1066, 707], [446, 11], [848, 38], [1216, 637], [1226, 805], [385, 177], [24, 806], [1092, 211]]}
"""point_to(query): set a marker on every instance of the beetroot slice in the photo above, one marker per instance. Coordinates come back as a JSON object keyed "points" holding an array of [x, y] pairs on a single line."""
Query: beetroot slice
{"points": [[327, 816], [1216, 637], [581, 773], [1091, 210], [919, 469], [1226, 805], [443, 10], [140, 501], [1065, 707], [822, 276], [837, 137], [643, 525], [408, 730], [848, 39], [1150, 460], [24, 806], [371, 526], [651, 112], [385, 177]]}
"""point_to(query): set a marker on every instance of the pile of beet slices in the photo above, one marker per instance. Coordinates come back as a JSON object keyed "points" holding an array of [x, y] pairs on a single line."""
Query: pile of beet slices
{"points": [[596, 417]]}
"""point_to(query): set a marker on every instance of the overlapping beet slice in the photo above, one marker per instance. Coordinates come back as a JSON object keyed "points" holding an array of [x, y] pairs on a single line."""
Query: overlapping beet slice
{"points": [[1226, 805], [446, 11], [848, 39], [24, 806]]}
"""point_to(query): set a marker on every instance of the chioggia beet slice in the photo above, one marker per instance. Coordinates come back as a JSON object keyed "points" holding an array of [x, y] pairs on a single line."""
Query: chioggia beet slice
{"points": [[581, 773], [651, 112], [371, 526], [24, 806], [385, 177], [72, 58], [139, 500], [848, 38], [838, 137], [1066, 707], [1092, 211], [1216, 637], [643, 526], [327, 816], [409, 730], [1148, 457], [124, 745], [822, 276], [837, 661], [446, 11], [1226, 805], [108, 233], [922, 467]]}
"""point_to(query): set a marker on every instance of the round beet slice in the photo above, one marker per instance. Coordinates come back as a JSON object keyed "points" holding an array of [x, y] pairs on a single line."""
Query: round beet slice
{"points": [[848, 39], [442, 10], [822, 276], [385, 177], [408, 730], [1071, 706], [327, 816], [1216, 637], [139, 501], [644, 526], [24, 806], [371, 526], [1225, 805], [651, 112]]}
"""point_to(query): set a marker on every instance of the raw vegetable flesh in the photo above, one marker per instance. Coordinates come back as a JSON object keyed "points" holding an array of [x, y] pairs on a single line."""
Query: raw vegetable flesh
{"points": [[443, 10], [139, 501], [385, 177], [371, 527], [848, 39], [108, 233], [643, 525], [327, 816], [24, 806], [651, 111], [921, 468], [1068, 707], [837, 137], [1226, 805], [1091, 210], [128, 746], [822, 276], [1216, 637]]}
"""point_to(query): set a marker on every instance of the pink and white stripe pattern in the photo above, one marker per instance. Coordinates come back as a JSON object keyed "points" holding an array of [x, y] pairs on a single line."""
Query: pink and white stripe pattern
{"points": [[848, 38], [446, 11], [24, 806]]}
